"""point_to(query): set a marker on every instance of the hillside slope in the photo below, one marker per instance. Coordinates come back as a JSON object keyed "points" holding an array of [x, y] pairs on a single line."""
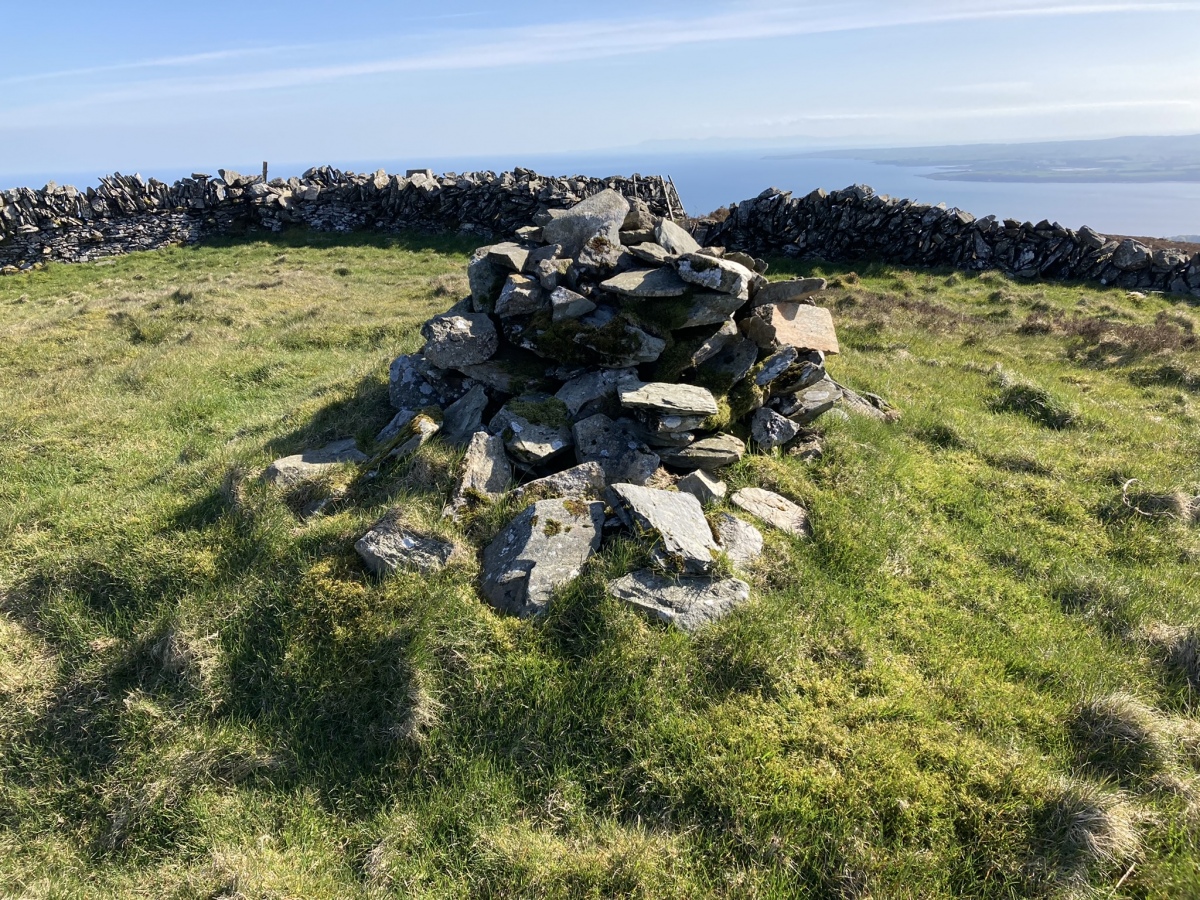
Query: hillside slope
{"points": [[978, 679]]}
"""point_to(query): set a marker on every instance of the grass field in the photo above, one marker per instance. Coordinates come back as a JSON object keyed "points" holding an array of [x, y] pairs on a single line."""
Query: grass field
{"points": [[977, 679]]}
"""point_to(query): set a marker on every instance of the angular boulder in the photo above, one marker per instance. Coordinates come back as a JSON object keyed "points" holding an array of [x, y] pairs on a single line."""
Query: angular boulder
{"points": [[683, 540], [459, 340], [602, 214], [617, 449], [668, 399], [709, 453], [389, 546], [797, 290], [674, 239], [688, 603], [719, 275], [290, 471], [646, 283], [774, 510], [541, 550]]}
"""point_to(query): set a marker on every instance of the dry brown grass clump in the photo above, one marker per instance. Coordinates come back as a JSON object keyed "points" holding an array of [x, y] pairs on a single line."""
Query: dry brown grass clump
{"points": [[1086, 826], [1177, 648], [1120, 736]]}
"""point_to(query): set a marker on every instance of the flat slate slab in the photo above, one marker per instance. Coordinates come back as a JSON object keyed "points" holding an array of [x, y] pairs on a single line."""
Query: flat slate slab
{"points": [[541, 550], [796, 290], [486, 472], [674, 239], [774, 510], [685, 542], [616, 448], [647, 283], [808, 404], [688, 603], [740, 541], [708, 453], [704, 487], [585, 480], [290, 471], [721, 275], [798, 325], [668, 399], [389, 546]]}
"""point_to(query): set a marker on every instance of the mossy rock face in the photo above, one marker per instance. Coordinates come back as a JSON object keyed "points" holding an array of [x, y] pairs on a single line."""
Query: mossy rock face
{"points": [[618, 343], [540, 410]]}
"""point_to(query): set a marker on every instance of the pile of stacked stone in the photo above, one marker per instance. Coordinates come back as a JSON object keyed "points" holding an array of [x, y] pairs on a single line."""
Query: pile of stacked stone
{"points": [[607, 361]]}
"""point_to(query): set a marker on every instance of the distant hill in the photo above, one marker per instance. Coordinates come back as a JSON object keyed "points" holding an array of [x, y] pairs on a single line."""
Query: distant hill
{"points": [[1124, 159]]}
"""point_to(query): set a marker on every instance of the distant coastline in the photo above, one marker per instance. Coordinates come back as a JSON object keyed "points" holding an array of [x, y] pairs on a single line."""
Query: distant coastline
{"points": [[1126, 160]]}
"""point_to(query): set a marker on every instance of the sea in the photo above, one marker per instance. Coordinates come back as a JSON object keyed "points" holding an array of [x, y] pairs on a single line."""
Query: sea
{"points": [[707, 181]]}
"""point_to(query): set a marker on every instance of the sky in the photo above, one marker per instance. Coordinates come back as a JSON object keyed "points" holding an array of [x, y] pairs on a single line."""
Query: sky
{"points": [[160, 86]]}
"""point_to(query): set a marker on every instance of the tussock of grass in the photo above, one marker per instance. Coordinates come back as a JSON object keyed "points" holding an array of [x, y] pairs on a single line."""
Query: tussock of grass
{"points": [[1177, 649], [1119, 736], [1087, 829]]}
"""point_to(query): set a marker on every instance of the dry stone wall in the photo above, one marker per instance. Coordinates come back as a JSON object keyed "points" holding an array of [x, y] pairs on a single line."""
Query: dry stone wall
{"points": [[856, 223], [127, 213]]}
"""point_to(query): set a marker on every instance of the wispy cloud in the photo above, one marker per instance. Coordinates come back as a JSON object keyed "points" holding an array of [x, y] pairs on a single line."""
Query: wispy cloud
{"points": [[973, 112], [570, 41]]}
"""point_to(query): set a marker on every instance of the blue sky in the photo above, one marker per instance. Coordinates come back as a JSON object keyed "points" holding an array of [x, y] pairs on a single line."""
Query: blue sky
{"points": [[87, 86]]}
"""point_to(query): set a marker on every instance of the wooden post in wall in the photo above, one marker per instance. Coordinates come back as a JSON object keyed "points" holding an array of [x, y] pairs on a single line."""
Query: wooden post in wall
{"points": [[264, 171]]}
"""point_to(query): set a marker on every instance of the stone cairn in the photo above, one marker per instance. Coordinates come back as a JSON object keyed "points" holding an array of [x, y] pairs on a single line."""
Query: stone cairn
{"points": [[609, 362]]}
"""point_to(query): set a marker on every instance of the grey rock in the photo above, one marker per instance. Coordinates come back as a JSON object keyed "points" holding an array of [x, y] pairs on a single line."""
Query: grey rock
{"points": [[710, 453], [640, 236], [646, 283], [486, 469], [602, 213], [688, 603], [797, 290], [587, 394], [537, 255], [464, 416], [520, 296], [632, 347], [616, 447], [703, 486], [735, 359], [740, 541], [673, 424], [419, 431], [464, 340], [486, 279], [1091, 239], [511, 371], [1132, 256], [551, 272], [668, 399], [870, 406], [566, 304], [389, 546], [709, 308], [530, 443], [719, 275], [395, 426], [529, 233], [585, 480], [684, 542], [770, 430], [639, 217], [721, 339], [674, 239], [798, 325], [809, 404], [602, 254], [774, 510], [652, 253], [508, 256], [541, 550], [290, 471], [775, 365], [415, 384]]}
